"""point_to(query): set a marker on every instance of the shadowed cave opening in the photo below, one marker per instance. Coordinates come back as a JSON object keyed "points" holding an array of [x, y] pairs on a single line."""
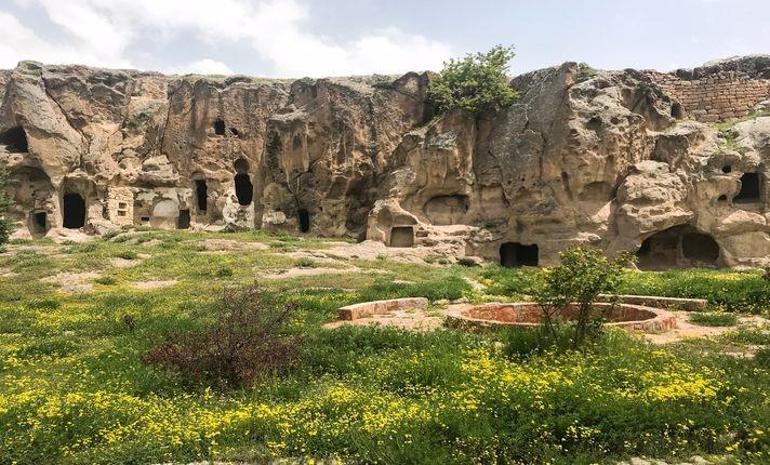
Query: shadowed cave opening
{"points": [[219, 127], [183, 222], [676, 111], [201, 195], [402, 236], [304, 220], [74, 211], [750, 188], [678, 247], [514, 254], [244, 190], [38, 223], [15, 140]]}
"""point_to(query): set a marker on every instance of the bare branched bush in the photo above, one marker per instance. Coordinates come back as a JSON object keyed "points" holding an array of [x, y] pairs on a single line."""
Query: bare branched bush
{"points": [[248, 342]]}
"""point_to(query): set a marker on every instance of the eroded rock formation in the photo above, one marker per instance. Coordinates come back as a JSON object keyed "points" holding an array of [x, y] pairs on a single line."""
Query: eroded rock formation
{"points": [[623, 160]]}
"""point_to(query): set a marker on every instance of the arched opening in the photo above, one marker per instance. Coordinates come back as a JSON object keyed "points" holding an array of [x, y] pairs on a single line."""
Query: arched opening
{"points": [[514, 254], [73, 211], [750, 189], [304, 220], [15, 140], [219, 127], [676, 110], [38, 224], [183, 222], [201, 195], [678, 247], [244, 190], [402, 236]]}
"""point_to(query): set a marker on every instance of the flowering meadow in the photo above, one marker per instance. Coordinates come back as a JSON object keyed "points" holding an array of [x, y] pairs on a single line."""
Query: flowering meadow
{"points": [[74, 389]]}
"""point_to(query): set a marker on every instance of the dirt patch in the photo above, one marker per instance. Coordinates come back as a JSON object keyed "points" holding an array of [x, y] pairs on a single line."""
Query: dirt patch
{"points": [[411, 319], [685, 329], [73, 282], [370, 250], [300, 271], [225, 245], [149, 285]]}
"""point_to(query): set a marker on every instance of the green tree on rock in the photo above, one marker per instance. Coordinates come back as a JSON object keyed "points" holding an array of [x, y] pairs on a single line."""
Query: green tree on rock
{"points": [[476, 83]]}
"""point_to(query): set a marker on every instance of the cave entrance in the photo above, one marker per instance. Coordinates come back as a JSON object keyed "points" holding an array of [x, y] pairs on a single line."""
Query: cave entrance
{"points": [[38, 224], [243, 189], [219, 127], [304, 220], [183, 222], [514, 254], [678, 247], [74, 211], [750, 189], [201, 195], [402, 236], [15, 140]]}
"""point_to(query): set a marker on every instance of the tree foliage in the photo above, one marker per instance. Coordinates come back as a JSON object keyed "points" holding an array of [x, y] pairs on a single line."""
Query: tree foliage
{"points": [[476, 83], [583, 274]]}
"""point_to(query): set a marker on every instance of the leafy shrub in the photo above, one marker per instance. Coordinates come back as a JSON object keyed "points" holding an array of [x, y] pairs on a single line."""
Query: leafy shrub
{"points": [[583, 274], [475, 84], [584, 72], [713, 319], [247, 342]]}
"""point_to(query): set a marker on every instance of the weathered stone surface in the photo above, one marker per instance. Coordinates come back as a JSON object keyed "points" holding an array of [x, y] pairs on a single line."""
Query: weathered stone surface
{"points": [[616, 160]]}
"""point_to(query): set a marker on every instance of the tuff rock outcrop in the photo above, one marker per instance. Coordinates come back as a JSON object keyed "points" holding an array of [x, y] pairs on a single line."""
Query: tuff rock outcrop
{"points": [[623, 160]]}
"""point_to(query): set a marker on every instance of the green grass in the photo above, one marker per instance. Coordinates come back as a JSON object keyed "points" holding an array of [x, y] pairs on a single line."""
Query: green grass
{"points": [[713, 319], [734, 291], [73, 388]]}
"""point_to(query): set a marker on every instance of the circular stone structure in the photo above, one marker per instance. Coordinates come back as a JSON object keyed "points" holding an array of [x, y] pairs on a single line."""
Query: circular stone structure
{"points": [[499, 315]]}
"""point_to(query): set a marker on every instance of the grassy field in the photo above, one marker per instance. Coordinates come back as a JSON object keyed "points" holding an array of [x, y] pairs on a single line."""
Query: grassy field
{"points": [[74, 389]]}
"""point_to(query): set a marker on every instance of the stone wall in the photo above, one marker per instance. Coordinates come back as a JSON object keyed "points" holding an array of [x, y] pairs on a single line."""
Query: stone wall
{"points": [[721, 91], [120, 205]]}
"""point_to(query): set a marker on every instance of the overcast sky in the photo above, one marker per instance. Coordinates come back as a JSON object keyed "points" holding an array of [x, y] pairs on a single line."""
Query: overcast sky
{"points": [[295, 38]]}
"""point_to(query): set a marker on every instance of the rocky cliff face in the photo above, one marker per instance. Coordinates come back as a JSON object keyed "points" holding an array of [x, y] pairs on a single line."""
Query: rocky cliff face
{"points": [[615, 159]]}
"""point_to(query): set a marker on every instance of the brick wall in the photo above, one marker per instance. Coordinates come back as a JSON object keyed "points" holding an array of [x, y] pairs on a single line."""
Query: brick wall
{"points": [[120, 205], [718, 92]]}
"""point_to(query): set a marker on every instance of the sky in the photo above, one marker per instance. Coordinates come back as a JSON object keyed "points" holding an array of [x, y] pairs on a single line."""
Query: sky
{"points": [[315, 38]]}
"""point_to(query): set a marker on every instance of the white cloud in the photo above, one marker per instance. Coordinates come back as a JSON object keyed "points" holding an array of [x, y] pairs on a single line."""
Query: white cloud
{"points": [[277, 30], [204, 66]]}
